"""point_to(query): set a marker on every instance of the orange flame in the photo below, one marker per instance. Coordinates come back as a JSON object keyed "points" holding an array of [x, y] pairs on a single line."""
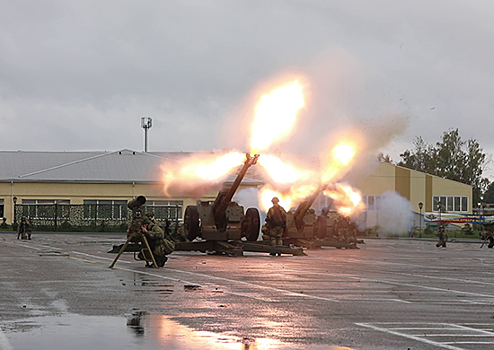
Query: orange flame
{"points": [[340, 160], [199, 170], [213, 170], [287, 201], [347, 200], [266, 195], [276, 115], [281, 172]]}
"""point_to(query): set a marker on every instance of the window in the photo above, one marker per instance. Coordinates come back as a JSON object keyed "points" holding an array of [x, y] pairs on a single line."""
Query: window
{"points": [[45, 208], [450, 203], [372, 202], [105, 209], [165, 209]]}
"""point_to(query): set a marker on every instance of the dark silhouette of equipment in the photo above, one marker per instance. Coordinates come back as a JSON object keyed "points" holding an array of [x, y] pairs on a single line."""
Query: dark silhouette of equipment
{"points": [[306, 229], [222, 225], [136, 236]]}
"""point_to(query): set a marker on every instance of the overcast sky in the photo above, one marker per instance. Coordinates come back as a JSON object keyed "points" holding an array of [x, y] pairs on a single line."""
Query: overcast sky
{"points": [[79, 75]]}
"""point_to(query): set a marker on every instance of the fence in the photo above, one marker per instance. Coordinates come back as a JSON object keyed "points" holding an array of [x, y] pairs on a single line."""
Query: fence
{"points": [[89, 217]]}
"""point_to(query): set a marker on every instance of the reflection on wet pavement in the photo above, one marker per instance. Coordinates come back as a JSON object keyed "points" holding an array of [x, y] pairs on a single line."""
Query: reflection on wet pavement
{"points": [[138, 330]]}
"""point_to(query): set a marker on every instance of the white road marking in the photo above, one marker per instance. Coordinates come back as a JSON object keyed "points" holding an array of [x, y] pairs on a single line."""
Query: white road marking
{"points": [[419, 339], [4, 342], [427, 332]]}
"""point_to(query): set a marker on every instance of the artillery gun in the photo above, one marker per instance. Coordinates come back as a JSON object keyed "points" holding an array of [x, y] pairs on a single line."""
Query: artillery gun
{"points": [[223, 227], [306, 229], [223, 219]]}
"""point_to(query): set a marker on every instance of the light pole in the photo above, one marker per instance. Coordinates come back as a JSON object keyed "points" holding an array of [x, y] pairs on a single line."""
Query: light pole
{"points": [[420, 208], [482, 204], [15, 220], [440, 207], [146, 124]]}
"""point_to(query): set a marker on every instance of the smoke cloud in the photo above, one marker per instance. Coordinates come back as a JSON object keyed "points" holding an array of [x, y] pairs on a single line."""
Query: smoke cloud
{"points": [[395, 215]]}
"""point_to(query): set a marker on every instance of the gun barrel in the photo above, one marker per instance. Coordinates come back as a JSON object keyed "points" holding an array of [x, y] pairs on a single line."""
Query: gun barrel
{"points": [[224, 197]]}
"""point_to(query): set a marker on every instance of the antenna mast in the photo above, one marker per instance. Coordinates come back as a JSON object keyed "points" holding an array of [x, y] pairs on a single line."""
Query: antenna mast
{"points": [[146, 123]]}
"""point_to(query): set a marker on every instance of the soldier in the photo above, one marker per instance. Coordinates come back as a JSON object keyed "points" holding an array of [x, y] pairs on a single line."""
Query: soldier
{"points": [[136, 225], [160, 244], [443, 237], [276, 222], [343, 229], [24, 229], [179, 234], [321, 227], [489, 236]]}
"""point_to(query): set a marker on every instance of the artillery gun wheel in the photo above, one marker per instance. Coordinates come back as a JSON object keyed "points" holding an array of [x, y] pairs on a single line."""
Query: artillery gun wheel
{"points": [[251, 223], [191, 222]]}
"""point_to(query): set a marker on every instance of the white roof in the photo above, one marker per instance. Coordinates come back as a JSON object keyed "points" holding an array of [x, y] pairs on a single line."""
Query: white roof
{"points": [[122, 166]]}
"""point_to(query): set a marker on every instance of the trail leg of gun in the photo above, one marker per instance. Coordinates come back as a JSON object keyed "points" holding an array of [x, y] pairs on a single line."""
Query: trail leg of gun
{"points": [[143, 238], [121, 251]]}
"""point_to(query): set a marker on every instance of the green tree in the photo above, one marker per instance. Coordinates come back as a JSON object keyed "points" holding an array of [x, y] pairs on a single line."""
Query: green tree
{"points": [[384, 158], [489, 193], [420, 158], [451, 158]]}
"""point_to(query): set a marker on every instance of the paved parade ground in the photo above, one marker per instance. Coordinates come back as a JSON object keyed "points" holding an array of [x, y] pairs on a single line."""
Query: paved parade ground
{"points": [[58, 292]]}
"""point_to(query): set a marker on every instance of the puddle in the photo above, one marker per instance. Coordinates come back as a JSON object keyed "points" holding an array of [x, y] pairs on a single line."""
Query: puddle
{"points": [[139, 330]]}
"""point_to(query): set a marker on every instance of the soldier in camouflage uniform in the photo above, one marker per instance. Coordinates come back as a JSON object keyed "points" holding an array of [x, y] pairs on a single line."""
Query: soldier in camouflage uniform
{"points": [[489, 235], [179, 234], [136, 225], [442, 236], [24, 229], [161, 244], [276, 222], [343, 229]]}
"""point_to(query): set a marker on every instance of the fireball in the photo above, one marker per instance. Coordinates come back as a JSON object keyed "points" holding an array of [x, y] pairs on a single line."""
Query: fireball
{"points": [[275, 116]]}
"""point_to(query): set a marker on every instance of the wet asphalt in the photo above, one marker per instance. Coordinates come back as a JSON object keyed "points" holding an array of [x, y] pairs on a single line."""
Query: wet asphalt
{"points": [[58, 292]]}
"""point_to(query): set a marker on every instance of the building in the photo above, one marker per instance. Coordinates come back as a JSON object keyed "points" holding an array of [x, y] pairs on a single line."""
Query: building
{"points": [[94, 178], [114, 178]]}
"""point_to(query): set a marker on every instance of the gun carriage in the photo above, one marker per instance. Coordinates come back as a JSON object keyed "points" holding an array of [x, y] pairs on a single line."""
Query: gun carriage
{"points": [[223, 227], [306, 229]]}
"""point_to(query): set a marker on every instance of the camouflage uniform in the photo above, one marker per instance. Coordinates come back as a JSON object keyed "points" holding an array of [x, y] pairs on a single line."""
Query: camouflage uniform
{"points": [[276, 223], [443, 237], [136, 225], [343, 229], [179, 235], [490, 236], [24, 229], [159, 242]]}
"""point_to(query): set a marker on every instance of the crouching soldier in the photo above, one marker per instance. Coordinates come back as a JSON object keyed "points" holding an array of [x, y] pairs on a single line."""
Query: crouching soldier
{"points": [[160, 243], [489, 236], [442, 236]]}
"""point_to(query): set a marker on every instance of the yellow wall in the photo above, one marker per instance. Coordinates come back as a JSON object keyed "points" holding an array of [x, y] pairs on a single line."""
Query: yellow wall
{"points": [[382, 180], [413, 185], [76, 193]]}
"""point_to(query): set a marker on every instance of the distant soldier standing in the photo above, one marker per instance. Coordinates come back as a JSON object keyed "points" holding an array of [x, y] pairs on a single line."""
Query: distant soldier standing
{"points": [[24, 229], [276, 222], [442, 236]]}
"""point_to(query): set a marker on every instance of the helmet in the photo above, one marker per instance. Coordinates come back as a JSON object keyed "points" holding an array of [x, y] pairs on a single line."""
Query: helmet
{"points": [[145, 220], [275, 200], [150, 215], [312, 211]]}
